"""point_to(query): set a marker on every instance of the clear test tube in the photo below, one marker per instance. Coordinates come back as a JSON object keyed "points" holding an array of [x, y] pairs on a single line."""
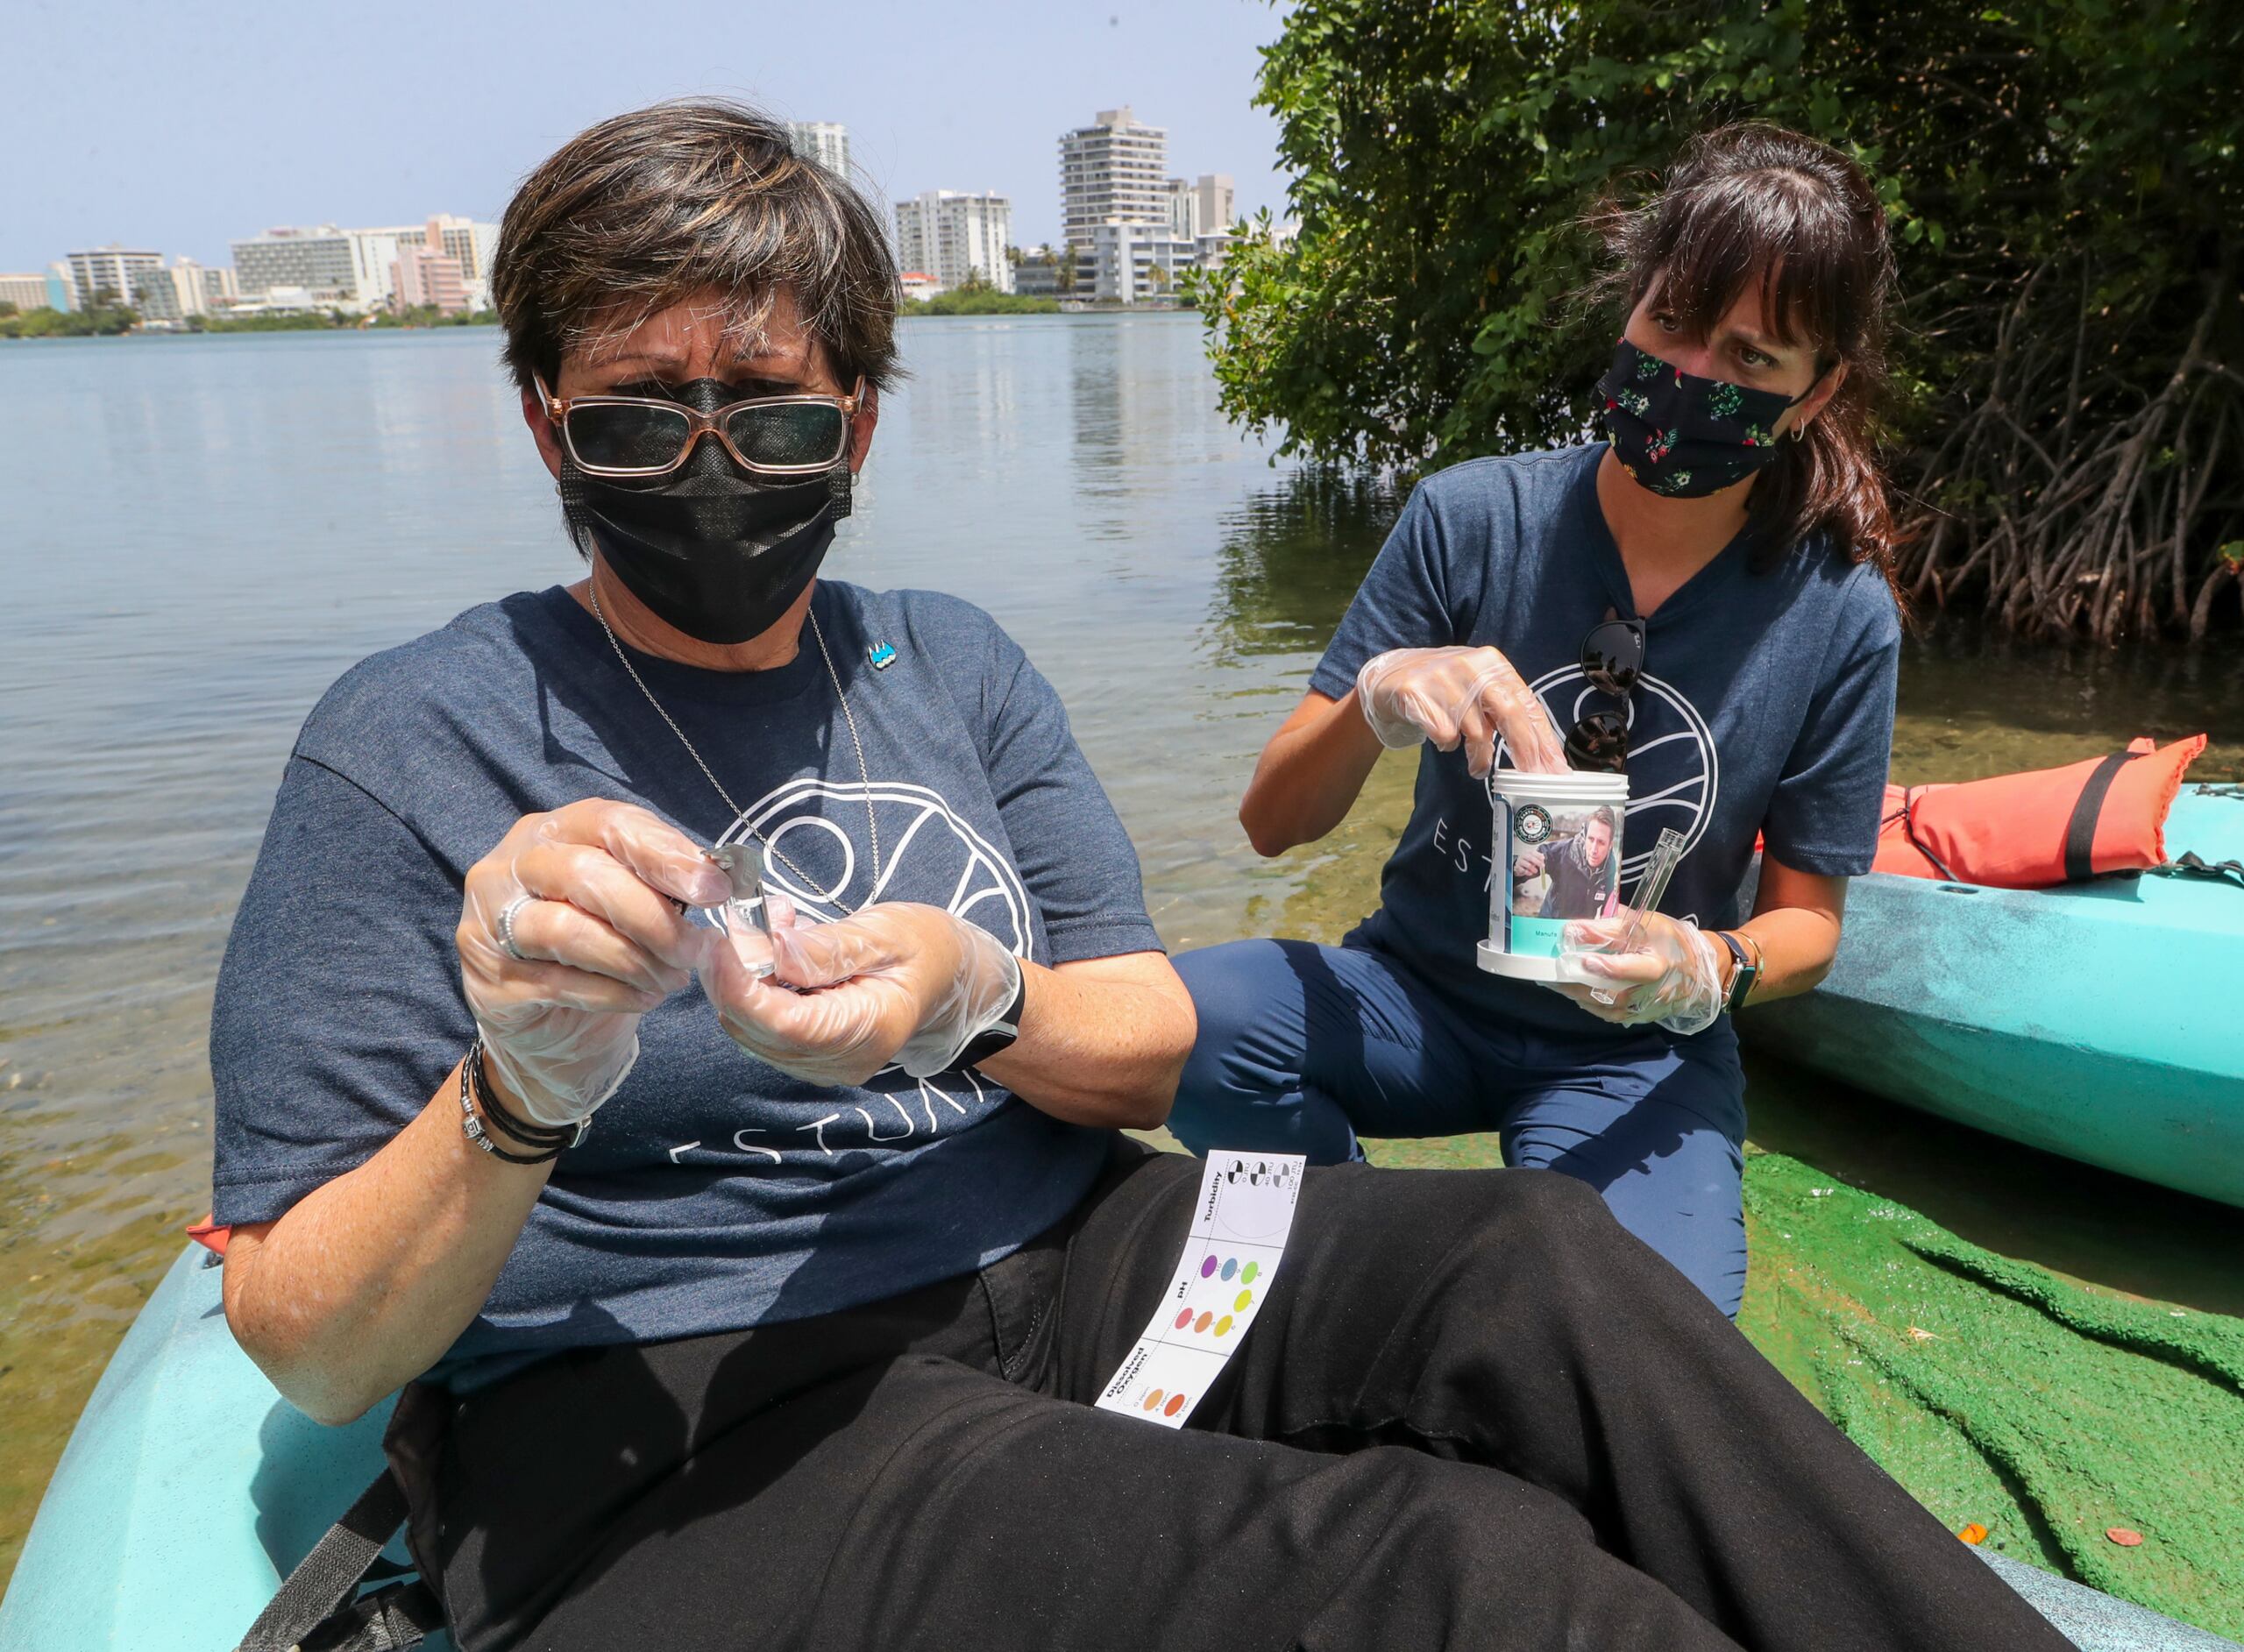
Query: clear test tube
{"points": [[1651, 887]]}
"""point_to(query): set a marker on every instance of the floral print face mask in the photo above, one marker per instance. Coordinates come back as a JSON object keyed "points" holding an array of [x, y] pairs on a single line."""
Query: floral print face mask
{"points": [[1682, 437]]}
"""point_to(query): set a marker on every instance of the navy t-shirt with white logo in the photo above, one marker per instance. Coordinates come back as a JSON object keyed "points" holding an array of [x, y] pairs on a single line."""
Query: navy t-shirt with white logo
{"points": [[1766, 707], [713, 1192]]}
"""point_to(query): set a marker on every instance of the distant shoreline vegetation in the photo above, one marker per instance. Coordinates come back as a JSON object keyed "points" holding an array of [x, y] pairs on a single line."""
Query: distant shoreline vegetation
{"points": [[974, 298], [108, 321]]}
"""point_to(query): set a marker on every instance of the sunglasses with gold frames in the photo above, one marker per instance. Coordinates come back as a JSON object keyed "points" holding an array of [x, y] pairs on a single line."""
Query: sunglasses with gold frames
{"points": [[639, 436]]}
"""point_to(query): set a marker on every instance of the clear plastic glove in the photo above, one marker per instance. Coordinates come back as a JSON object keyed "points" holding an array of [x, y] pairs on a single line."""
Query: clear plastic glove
{"points": [[591, 887], [896, 981], [1458, 696], [1673, 975]]}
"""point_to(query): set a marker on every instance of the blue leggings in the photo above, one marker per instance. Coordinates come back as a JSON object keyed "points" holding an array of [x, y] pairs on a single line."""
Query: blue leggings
{"points": [[1302, 1047]]}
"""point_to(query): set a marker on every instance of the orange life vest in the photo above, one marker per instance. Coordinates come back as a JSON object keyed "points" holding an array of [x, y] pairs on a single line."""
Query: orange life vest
{"points": [[2040, 828]]}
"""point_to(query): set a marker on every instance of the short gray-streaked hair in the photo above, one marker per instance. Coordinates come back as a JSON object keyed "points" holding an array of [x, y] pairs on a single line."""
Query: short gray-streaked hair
{"points": [[686, 197]]}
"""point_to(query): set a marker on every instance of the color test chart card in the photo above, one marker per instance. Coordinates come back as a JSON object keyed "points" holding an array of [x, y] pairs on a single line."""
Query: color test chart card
{"points": [[1230, 1263]]}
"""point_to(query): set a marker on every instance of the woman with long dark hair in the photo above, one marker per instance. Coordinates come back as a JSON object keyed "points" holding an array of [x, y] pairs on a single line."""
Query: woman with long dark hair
{"points": [[1703, 602]]}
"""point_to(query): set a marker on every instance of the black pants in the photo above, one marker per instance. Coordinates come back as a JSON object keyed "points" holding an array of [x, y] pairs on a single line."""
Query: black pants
{"points": [[1474, 1412]]}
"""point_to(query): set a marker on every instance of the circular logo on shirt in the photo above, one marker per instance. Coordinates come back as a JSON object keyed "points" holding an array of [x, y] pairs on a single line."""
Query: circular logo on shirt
{"points": [[819, 840], [1531, 823], [1674, 772]]}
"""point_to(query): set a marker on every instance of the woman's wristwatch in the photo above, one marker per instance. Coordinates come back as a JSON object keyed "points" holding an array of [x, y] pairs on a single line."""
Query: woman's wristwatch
{"points": [[1001, 1033], [1746, 970]]}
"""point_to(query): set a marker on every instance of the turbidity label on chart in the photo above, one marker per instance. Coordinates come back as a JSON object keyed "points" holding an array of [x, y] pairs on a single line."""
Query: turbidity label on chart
{"points": [[1231, 1260]]}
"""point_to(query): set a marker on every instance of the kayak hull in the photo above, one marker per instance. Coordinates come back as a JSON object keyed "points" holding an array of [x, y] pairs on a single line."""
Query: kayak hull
{"points": [[2096, 1021], [188, 1490]]}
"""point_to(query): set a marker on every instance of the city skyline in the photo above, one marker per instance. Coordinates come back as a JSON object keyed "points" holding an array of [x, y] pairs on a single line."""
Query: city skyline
{"points": [[267, 163]]}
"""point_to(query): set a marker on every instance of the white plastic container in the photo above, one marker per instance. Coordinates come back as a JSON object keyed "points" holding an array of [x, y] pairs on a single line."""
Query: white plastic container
{"points": [[1558, 839]]}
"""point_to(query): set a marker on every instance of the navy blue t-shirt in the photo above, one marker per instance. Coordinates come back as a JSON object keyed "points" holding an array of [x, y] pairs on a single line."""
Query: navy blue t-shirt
{"points": [[713, 1192], [1766, 705]]}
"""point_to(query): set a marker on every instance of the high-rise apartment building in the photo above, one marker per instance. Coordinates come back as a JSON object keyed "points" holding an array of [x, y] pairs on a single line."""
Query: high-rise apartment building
{"points": [[197, 289], [1218, 203], [373, 259], [61, 286], [422, 275], [1113, 170], [956, 237], [1129, 263], [25, 291], [326, 262], [1203, 207], [1183, 209], [219, 287], [358, 267], [156, 296], [114, 270], [824, 141], [471, 242]]}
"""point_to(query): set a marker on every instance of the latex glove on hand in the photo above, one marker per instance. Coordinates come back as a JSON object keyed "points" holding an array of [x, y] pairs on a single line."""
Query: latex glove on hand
{"points": [[591, 891], [896, 981], [1458, 696], [1672, 977]]}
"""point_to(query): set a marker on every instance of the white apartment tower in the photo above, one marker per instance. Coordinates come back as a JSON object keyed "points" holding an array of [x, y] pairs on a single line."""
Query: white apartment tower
{"points": [[113, 269], [825, 142], [956, 237], [1112, 170]]}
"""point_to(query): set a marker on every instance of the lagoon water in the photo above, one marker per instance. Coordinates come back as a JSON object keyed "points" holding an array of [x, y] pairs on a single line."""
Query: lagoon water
{"points": [[198, 535]]}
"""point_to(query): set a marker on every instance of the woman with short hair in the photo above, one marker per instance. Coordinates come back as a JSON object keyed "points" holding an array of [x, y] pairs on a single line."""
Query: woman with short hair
{"points": [[1703, 602], [753, 1280]]}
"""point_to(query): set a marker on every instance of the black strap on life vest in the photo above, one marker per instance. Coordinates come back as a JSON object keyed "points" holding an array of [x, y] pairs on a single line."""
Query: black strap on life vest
{"points": [[2080, 830], [319, 1608]]}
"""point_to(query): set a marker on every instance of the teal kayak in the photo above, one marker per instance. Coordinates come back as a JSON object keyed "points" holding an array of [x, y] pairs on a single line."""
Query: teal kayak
{"points": [[189, 1488], [2097, 1020]]}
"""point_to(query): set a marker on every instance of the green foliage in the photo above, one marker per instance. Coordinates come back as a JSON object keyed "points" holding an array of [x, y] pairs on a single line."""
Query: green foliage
{"points": [[2084, 152], [316, 321], [976, 297], [103, 317], [292, 320], [429, 315]]}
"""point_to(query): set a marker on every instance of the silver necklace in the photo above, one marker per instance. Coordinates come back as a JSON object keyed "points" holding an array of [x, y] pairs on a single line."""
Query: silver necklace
{"points": [[872, 823]]}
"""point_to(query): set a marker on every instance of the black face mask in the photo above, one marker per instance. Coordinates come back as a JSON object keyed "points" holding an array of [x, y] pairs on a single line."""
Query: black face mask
{"points": [[1683, 436], [712, 549]]}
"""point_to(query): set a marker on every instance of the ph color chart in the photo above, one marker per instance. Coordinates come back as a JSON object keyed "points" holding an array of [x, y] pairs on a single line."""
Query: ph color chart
{"points": [[1230, 1263]]}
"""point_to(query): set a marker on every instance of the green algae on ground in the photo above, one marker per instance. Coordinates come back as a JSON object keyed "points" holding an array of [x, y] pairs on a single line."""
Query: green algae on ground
{"points": [[2000, 1394], [1996, 1392]]}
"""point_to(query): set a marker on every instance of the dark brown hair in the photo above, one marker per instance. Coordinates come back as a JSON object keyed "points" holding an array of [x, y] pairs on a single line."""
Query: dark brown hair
{"points": [[695, 196], [1755, 204]]}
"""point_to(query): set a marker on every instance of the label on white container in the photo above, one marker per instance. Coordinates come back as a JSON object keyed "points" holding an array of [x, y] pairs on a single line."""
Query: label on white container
{"points": [[1559, 843]]}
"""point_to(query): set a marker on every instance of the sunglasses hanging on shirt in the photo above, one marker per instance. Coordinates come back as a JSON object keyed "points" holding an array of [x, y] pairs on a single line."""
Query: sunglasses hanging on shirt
{"points": [[1612, 660]]}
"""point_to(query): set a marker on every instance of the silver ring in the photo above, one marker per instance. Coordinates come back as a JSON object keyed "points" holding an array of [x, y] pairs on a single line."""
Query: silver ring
{"points": [[506, 927]]}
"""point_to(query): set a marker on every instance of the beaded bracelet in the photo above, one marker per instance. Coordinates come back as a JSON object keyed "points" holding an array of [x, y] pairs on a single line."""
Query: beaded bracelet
{"points": [[472, 1096], [495, 1112]]}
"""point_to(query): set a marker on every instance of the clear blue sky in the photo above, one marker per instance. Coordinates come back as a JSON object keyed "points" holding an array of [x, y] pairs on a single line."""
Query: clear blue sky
{"points": [[183, 127]]}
